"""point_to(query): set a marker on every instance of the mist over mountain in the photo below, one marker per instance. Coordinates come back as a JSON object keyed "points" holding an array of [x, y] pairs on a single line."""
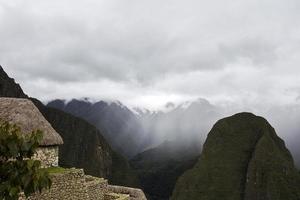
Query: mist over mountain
{"points": [[185, 123], [182, 123], [122, 128], [165, 143], [141, 128], [160, 139]]}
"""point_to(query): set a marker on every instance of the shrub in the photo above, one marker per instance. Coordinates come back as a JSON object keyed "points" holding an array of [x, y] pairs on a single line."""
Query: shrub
{"points": [[18, 172]]}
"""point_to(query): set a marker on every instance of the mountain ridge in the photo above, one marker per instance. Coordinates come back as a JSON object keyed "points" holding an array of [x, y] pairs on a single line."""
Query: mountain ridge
{"points": [[122, 127]]}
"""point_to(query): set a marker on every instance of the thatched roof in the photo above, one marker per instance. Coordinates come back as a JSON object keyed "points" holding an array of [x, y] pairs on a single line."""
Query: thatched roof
{"points": [[24, 114]]}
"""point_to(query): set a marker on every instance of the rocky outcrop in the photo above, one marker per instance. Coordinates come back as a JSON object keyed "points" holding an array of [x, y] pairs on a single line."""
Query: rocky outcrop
{"points": [[9, 87], [242, 159]]}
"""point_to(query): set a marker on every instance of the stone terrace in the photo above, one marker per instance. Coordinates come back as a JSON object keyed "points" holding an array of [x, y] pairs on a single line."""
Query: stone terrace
{"points": [[73, 184]]}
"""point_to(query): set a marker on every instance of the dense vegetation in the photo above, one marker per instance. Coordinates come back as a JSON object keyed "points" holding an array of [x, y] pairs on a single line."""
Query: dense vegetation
{"points": [[242, 159], [18, 172]]}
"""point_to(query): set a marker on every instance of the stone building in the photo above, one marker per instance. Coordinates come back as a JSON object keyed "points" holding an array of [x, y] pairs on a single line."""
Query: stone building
{"points": [[25, 115]]}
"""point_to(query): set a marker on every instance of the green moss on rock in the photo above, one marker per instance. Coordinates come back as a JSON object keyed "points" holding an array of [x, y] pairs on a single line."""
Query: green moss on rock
{"points": [[55, 170]]}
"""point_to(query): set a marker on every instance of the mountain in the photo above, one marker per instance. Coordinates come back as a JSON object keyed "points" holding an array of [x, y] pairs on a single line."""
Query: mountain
{"points": [[8, 86], [84, 146], [158, 168], [121, 127], [131, 131], [242, 159], [172, 137]]}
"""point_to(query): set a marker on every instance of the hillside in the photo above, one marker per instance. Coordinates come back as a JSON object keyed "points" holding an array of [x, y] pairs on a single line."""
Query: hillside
{"points": [[84, 146], [242, 159]]}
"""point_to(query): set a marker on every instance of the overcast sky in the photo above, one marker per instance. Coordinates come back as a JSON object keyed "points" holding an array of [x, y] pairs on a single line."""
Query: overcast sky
{"points": [[147, 53]]}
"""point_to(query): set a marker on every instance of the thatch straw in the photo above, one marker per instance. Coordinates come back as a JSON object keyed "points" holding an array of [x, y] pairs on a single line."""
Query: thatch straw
{"points": [[24, 114]]}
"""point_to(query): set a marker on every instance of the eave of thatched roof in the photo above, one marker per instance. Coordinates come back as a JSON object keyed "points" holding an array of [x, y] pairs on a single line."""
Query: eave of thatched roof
{"points": [[24, 114]]}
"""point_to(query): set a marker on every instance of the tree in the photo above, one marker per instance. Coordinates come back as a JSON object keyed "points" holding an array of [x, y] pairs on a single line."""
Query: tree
{"points": [[18, 172]]}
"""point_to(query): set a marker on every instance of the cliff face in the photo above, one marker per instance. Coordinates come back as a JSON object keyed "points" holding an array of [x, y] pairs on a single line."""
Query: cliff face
{"points": [[84, 146], [242, 159]]}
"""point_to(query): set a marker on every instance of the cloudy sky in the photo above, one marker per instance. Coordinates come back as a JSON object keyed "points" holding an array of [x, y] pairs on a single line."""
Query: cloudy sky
{"points": [[149, 52]]}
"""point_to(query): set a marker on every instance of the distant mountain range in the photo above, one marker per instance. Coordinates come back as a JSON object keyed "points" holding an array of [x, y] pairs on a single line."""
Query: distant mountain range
{"points": [[141, 128], [121, 127]]}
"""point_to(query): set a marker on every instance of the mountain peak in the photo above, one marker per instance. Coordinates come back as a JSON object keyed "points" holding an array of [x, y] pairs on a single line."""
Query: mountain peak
{"points": [[8, 86], [245, 156]]}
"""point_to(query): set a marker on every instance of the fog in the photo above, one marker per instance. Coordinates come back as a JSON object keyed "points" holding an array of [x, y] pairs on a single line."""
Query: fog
{"points": [[189, 123]]}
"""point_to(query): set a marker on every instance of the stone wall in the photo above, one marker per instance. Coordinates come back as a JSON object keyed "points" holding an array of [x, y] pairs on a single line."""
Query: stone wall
{"points": [[47, 155], [69, 185], [96, 187], [134, 193], [73, 184]]}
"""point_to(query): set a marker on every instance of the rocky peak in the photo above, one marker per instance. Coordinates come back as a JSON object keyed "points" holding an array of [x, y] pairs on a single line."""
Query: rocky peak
{"points": [[8, 86]]}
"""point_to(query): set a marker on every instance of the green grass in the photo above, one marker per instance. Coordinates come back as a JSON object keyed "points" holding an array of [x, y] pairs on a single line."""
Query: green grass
{"points": [[56, 170]]}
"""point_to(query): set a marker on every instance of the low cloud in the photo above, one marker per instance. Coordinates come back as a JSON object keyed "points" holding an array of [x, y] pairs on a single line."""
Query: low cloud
{"points": [[243, 52]]}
